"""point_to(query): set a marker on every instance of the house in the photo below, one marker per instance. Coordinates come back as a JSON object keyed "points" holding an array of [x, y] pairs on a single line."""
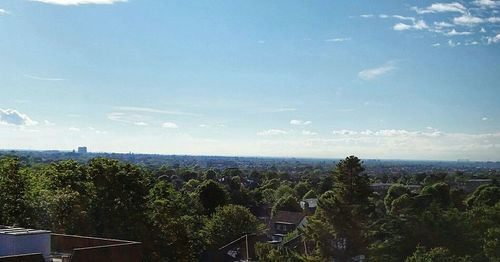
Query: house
{"points": [[309, 205], [30, 245], [284, 222]]}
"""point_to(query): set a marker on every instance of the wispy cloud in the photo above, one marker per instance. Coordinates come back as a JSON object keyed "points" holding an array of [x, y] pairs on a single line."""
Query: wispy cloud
{"points": [[442, 8], [15, 118], [417, 25], [452, 43], [367, 16], [309, 133], [338, 39], [282, 109], [300, 122], [170, 125], [152, 110], [272, 132], [132, 119], [487, 3], [3, 12], [454, 32], [372, 73], [493, 39], [467, 20], [79, 2], [43, 78], [407, 18]]}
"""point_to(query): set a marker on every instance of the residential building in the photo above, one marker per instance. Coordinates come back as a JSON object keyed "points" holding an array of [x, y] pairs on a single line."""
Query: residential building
{"points": [[30, 245]]}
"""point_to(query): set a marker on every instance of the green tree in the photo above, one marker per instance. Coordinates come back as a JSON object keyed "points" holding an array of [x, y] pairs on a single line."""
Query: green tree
{"points": [[301, 189], [13, 183], [118, 200], [394, 192], [436, 254], [487, 195], [176, 225], [211, 195], [229, 223], [287, 203], [340, 220]]}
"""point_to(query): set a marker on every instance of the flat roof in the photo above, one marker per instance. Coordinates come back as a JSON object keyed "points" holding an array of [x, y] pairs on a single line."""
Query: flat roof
{"points": [[19, 231]]}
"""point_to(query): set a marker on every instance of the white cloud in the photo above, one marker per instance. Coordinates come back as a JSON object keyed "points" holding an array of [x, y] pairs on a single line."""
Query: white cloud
{"points": [[493, 19], [471, 43], [48, 123], [467, 20], [151, 110], [280, 110], [309, 133], [338, 39], [452, 43], [372, 73], [493, 39], [401, 27], [407, 18], [367, 16], [436, 44], [442, 24], [169, 125], [383, 16], [441, 8], [79, 2], [272, 132], [487, 3], [15, 118], [344, 132], [132, 119], [418, 25], [74, 129], [454, 32], [484, 119], [299, 122], [3, 12], [42, 78]]}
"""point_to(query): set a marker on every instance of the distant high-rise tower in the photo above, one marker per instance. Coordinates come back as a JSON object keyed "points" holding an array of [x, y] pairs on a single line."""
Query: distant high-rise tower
{"points": [[82, 150]]}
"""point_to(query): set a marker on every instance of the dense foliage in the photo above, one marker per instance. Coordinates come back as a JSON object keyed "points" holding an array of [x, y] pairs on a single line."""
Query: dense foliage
{"points": [[184, 213]]}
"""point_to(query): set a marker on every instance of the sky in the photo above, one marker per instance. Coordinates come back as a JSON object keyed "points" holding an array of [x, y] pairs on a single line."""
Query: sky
{"points": [[286, 78]]}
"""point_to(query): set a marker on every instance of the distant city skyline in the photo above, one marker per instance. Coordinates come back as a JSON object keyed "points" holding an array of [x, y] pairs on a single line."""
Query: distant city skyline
{"points": [[321, 79]]}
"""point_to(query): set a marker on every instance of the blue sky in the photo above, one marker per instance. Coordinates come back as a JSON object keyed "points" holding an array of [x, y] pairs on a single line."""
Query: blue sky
{"points": [[378, 79]]}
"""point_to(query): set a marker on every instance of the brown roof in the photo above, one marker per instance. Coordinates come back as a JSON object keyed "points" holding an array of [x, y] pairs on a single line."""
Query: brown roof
{"points": [[288, 217]]}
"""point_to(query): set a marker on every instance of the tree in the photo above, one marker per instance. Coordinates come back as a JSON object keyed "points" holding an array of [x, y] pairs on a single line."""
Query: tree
{"points": [[176, 225], [310, 194], [485, 195], [118, 198], [340, 222], [229, 223], [394, 192], [436, 254], [13, 205], [287, 203], [491, 244], [61, 195], [301, 189], [211, 195]]}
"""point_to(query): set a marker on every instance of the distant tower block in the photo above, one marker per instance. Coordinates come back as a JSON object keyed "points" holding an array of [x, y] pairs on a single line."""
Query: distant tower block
{"points": [[82, 150]]}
